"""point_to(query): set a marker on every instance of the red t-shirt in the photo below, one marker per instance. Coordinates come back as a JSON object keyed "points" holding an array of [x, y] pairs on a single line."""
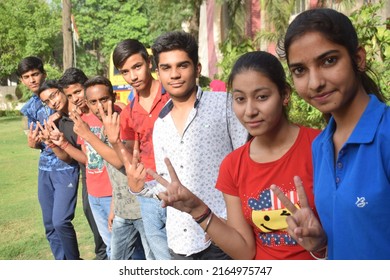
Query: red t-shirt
{"points": [[98, 182], [137, 124], [240, 176]]}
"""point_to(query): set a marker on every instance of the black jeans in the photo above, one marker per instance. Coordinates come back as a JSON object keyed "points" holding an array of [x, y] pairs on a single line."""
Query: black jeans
{"points": [[211, 253]]}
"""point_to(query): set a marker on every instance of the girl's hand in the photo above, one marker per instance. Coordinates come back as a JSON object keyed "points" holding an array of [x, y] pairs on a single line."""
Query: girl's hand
{"points": [[177, 195], [303, 225]]}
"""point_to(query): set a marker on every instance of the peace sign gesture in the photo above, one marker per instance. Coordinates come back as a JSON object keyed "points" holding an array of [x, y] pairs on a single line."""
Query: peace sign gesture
{"points": [[303, 225], [177, 195], [110, 122], [33, 136], [80, 127], [135, 171], [44, 133], [56, 136]]}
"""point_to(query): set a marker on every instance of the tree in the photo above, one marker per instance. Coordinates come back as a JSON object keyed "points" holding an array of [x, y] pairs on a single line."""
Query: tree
{"points": [[28, 28], [67, 34], [104, 23]]}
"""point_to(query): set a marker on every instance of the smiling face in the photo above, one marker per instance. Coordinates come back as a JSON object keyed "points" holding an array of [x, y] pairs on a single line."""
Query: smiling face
{"points": [[98, 94], [271, 220], [178, 74], [33, 79], [137, 72], [75, 95], [257, 102], [322, 72], [55, 99]]}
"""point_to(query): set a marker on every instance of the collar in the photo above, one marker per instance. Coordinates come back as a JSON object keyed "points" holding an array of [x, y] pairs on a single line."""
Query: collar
{"points": [[365, 129], [169, 105]]}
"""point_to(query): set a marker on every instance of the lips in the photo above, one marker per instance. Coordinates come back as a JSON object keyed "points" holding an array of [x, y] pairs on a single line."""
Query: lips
{"points": [[321, 98], [137, 84], [176, 85], [253, 124]]}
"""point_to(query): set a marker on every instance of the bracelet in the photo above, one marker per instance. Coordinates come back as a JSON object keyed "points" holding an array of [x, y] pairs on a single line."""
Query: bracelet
{"points": [[208, 222], [323, 250], [64, 145], [204, 216], [51, 145]]}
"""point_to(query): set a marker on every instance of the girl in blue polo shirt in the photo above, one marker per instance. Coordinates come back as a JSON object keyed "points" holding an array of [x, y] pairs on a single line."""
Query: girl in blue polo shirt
{"points": [[351, 157]]}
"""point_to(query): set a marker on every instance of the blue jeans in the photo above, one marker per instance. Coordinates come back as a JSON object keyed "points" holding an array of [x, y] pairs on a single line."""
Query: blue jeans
{"points": [[57, 195], [100, 207], [154, 218], [124, 236]]}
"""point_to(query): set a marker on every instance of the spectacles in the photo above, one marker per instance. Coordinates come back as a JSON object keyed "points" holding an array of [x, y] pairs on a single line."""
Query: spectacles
{"points": [[52, 96]]}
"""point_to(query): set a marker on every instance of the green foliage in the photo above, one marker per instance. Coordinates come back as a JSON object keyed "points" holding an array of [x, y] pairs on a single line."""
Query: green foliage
{"points": [[168, 15], [104, 23], [27, 28], [230, 54], [10, 113], [375, 38], [277, 15]]}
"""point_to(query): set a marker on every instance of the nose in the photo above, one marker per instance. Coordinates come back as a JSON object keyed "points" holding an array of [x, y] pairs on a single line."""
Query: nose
{"points": [[31, 80], [75, 99], [175, 73], [53, 102], [133, 76], [316, 80], [250, 108]]}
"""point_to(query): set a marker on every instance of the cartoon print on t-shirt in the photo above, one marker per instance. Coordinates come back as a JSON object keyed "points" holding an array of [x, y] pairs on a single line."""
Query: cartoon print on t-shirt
{"points": [[269, 216], [95, 161]]}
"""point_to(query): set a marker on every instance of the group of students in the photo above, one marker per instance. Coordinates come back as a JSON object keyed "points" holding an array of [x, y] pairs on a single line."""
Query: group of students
{"points": [[203, 175]]}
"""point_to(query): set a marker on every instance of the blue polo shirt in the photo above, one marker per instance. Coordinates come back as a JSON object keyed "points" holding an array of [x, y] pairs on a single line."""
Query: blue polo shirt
{"points": [[35, 111], [352, 195]]}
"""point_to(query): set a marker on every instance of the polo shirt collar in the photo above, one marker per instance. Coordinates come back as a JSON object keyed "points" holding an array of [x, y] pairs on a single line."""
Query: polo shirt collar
{"points": [[365, 129]]}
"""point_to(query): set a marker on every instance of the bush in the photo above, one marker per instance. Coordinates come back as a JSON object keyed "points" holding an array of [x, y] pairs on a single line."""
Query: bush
{"points": [[10, 113]]}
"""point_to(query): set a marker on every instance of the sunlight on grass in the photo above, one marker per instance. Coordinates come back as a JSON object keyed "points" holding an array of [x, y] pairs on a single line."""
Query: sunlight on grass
{"points": [[22, 235]]}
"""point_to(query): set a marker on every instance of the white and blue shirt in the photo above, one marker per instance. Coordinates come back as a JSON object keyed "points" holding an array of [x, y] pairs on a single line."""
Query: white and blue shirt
{"points": [[211, 132]]}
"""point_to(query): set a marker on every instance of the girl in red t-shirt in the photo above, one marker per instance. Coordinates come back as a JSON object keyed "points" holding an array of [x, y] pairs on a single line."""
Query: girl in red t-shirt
{"points": [[276, 151]]}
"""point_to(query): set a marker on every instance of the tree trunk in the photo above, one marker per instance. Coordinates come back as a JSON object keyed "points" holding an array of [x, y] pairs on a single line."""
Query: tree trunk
{"points": [[67, 34]]}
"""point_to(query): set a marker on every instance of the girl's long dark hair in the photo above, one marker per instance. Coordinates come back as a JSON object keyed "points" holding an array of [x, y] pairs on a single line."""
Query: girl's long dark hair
{"points": [[337, 28]]}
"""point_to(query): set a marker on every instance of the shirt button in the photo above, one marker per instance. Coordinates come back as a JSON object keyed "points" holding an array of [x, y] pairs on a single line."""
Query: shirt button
{"points": [[337, 180], [150, 115], [185, 230], [181, 166], [181, 142], [339, 165]]}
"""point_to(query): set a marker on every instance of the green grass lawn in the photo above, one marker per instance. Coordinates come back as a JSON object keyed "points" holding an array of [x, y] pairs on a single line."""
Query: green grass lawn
{"points": [[22, 236]]}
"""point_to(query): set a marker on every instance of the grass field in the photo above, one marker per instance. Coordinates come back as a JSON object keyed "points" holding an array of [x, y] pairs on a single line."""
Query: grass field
{"points": [[22, 235]]}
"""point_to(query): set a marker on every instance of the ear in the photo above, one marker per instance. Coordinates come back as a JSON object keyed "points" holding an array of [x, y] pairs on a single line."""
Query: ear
{"points": [[158, 74], [287, 96], [198, 70], [360, 57]]}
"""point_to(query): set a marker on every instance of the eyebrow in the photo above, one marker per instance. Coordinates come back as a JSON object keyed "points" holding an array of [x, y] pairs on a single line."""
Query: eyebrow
{"points": [[320, 57], [178, 63]]}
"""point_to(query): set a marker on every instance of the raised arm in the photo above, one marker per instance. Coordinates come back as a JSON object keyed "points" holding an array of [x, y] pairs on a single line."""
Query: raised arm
{"points": [[68, 149], [33, 140], [82, 129], [235, 237]]}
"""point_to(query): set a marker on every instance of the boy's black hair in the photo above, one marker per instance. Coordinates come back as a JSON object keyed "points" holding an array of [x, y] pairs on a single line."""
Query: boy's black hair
{"points": [[30, 63], [46, 85], [176, 40], [72, 76], [127, 48], [99, 80]]}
